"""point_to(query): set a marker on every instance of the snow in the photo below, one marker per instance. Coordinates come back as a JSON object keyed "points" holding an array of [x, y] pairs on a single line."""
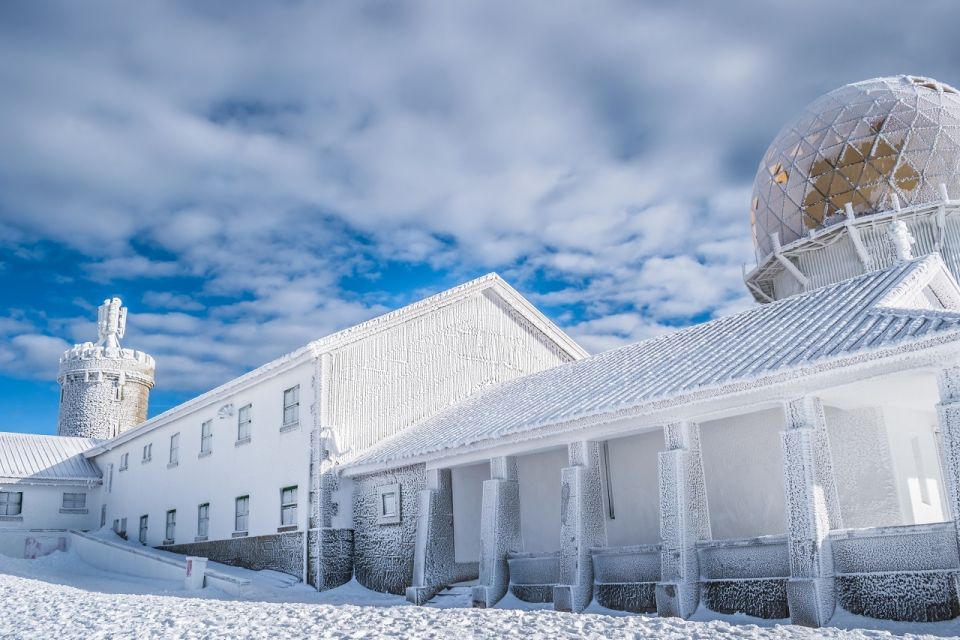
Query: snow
{"points": [[61, 596]]}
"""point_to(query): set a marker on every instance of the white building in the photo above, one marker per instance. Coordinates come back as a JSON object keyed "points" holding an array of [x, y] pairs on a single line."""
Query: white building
{"points": [[796, 457]]}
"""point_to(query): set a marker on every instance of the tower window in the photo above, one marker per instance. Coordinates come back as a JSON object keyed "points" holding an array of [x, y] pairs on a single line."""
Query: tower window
{"points": [[171, 530], [241, 520], [203, 520], [244, 420], [288, 506], [11, 503], [206, 437], [291, 406], [174, 449]]}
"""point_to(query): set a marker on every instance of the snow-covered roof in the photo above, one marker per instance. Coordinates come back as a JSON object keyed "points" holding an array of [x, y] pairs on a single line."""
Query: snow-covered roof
{"points": [[903, 304], [490, 282], [43, 459]]}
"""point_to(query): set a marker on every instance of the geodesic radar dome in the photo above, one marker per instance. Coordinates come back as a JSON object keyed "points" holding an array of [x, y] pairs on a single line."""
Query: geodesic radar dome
{"points": [[860, 144]]}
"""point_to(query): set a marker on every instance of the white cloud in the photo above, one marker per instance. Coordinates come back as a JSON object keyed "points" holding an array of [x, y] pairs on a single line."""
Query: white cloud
{"points": [[262, 155]]}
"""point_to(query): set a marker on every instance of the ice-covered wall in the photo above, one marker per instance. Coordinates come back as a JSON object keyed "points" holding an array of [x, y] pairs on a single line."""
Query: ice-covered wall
{"points": [[743, 465], [384, 553], [103, 392], [863, 467], [407, 372], [278, 552], [632, 462]]}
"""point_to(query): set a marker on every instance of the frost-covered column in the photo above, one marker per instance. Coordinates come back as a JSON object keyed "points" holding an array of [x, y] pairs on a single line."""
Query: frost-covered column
{"points": [[330, 536], [433, 559], [499, 530], [683, 520], [582, 526], [812, 510], [948, 412]]}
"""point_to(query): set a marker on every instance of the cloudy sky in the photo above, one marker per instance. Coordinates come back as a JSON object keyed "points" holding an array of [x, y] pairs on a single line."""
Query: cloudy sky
{"points": [[251, 176]]}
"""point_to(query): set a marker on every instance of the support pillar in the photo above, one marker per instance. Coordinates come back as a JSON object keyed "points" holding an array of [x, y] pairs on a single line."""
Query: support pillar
{"points": [[499, 531], [813, 509], [582, 526], [684, 520], [433, 559], [948, 414]]}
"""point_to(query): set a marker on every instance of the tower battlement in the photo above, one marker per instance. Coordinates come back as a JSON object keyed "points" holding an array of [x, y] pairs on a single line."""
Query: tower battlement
{"points": [[104, 388]]}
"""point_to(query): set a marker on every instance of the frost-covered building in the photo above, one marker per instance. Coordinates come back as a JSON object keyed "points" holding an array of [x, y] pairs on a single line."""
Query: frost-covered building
{"points": [[797, 457]]}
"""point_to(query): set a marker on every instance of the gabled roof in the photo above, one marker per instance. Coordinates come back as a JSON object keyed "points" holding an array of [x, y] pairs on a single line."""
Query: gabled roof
{"points": [[857, 315], [492, 282], [41, 459]]}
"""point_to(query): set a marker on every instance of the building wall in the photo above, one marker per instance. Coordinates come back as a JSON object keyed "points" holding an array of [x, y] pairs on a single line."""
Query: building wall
{"points": [[467, 500], [383, 553], [539, 478], [41, 508], [634, 484], [743, 471], [406, 373], [271, 460], [863, 467]]}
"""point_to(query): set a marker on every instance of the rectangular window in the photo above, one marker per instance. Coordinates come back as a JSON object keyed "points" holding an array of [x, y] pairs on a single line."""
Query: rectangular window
{"points": [[175, 448], [244, 418], [74, 501], [291, 406], [206, 437], [11, 503], [203, 520], [288, 506], [143, 530], [124, 461], [388, 504], [123, 527], [171, 530], [241, 520], [147, 452]]}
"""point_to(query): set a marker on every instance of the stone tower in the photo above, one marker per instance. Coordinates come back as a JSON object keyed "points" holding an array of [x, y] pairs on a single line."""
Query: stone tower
{"points": [[104, 388]]}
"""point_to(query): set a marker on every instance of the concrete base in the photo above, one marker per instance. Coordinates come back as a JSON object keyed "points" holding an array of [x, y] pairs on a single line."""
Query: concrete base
{"points": [[809, 601], [420, 595], [482, 597], [671, 598]]}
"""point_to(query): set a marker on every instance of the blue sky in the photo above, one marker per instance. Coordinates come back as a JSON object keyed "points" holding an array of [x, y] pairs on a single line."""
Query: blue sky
{"points": [[251, 176]]}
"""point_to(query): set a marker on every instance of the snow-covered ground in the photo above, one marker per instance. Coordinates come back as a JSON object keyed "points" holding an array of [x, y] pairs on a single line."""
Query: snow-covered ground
{"points": [[61, 597]]}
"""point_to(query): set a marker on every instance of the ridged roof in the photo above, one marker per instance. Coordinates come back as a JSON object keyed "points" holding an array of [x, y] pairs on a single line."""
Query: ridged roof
{"points": [[46, 459], [856, 315]]}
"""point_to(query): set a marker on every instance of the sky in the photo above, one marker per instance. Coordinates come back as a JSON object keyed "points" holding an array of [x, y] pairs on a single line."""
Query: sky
{"points": [[252, 176]]}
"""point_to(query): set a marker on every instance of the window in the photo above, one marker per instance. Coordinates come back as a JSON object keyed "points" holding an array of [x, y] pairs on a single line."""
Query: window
{"points": [[103, 515], [242, 514], [206, 437], [171, 530], [203, 520], [143, 530], [243, 423], [123, 527], [124, 461], [147, 452], [174, 449], [74, 501], [920, 469], [291, 406], [11, 503], [388, 504], [288, 507]]}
